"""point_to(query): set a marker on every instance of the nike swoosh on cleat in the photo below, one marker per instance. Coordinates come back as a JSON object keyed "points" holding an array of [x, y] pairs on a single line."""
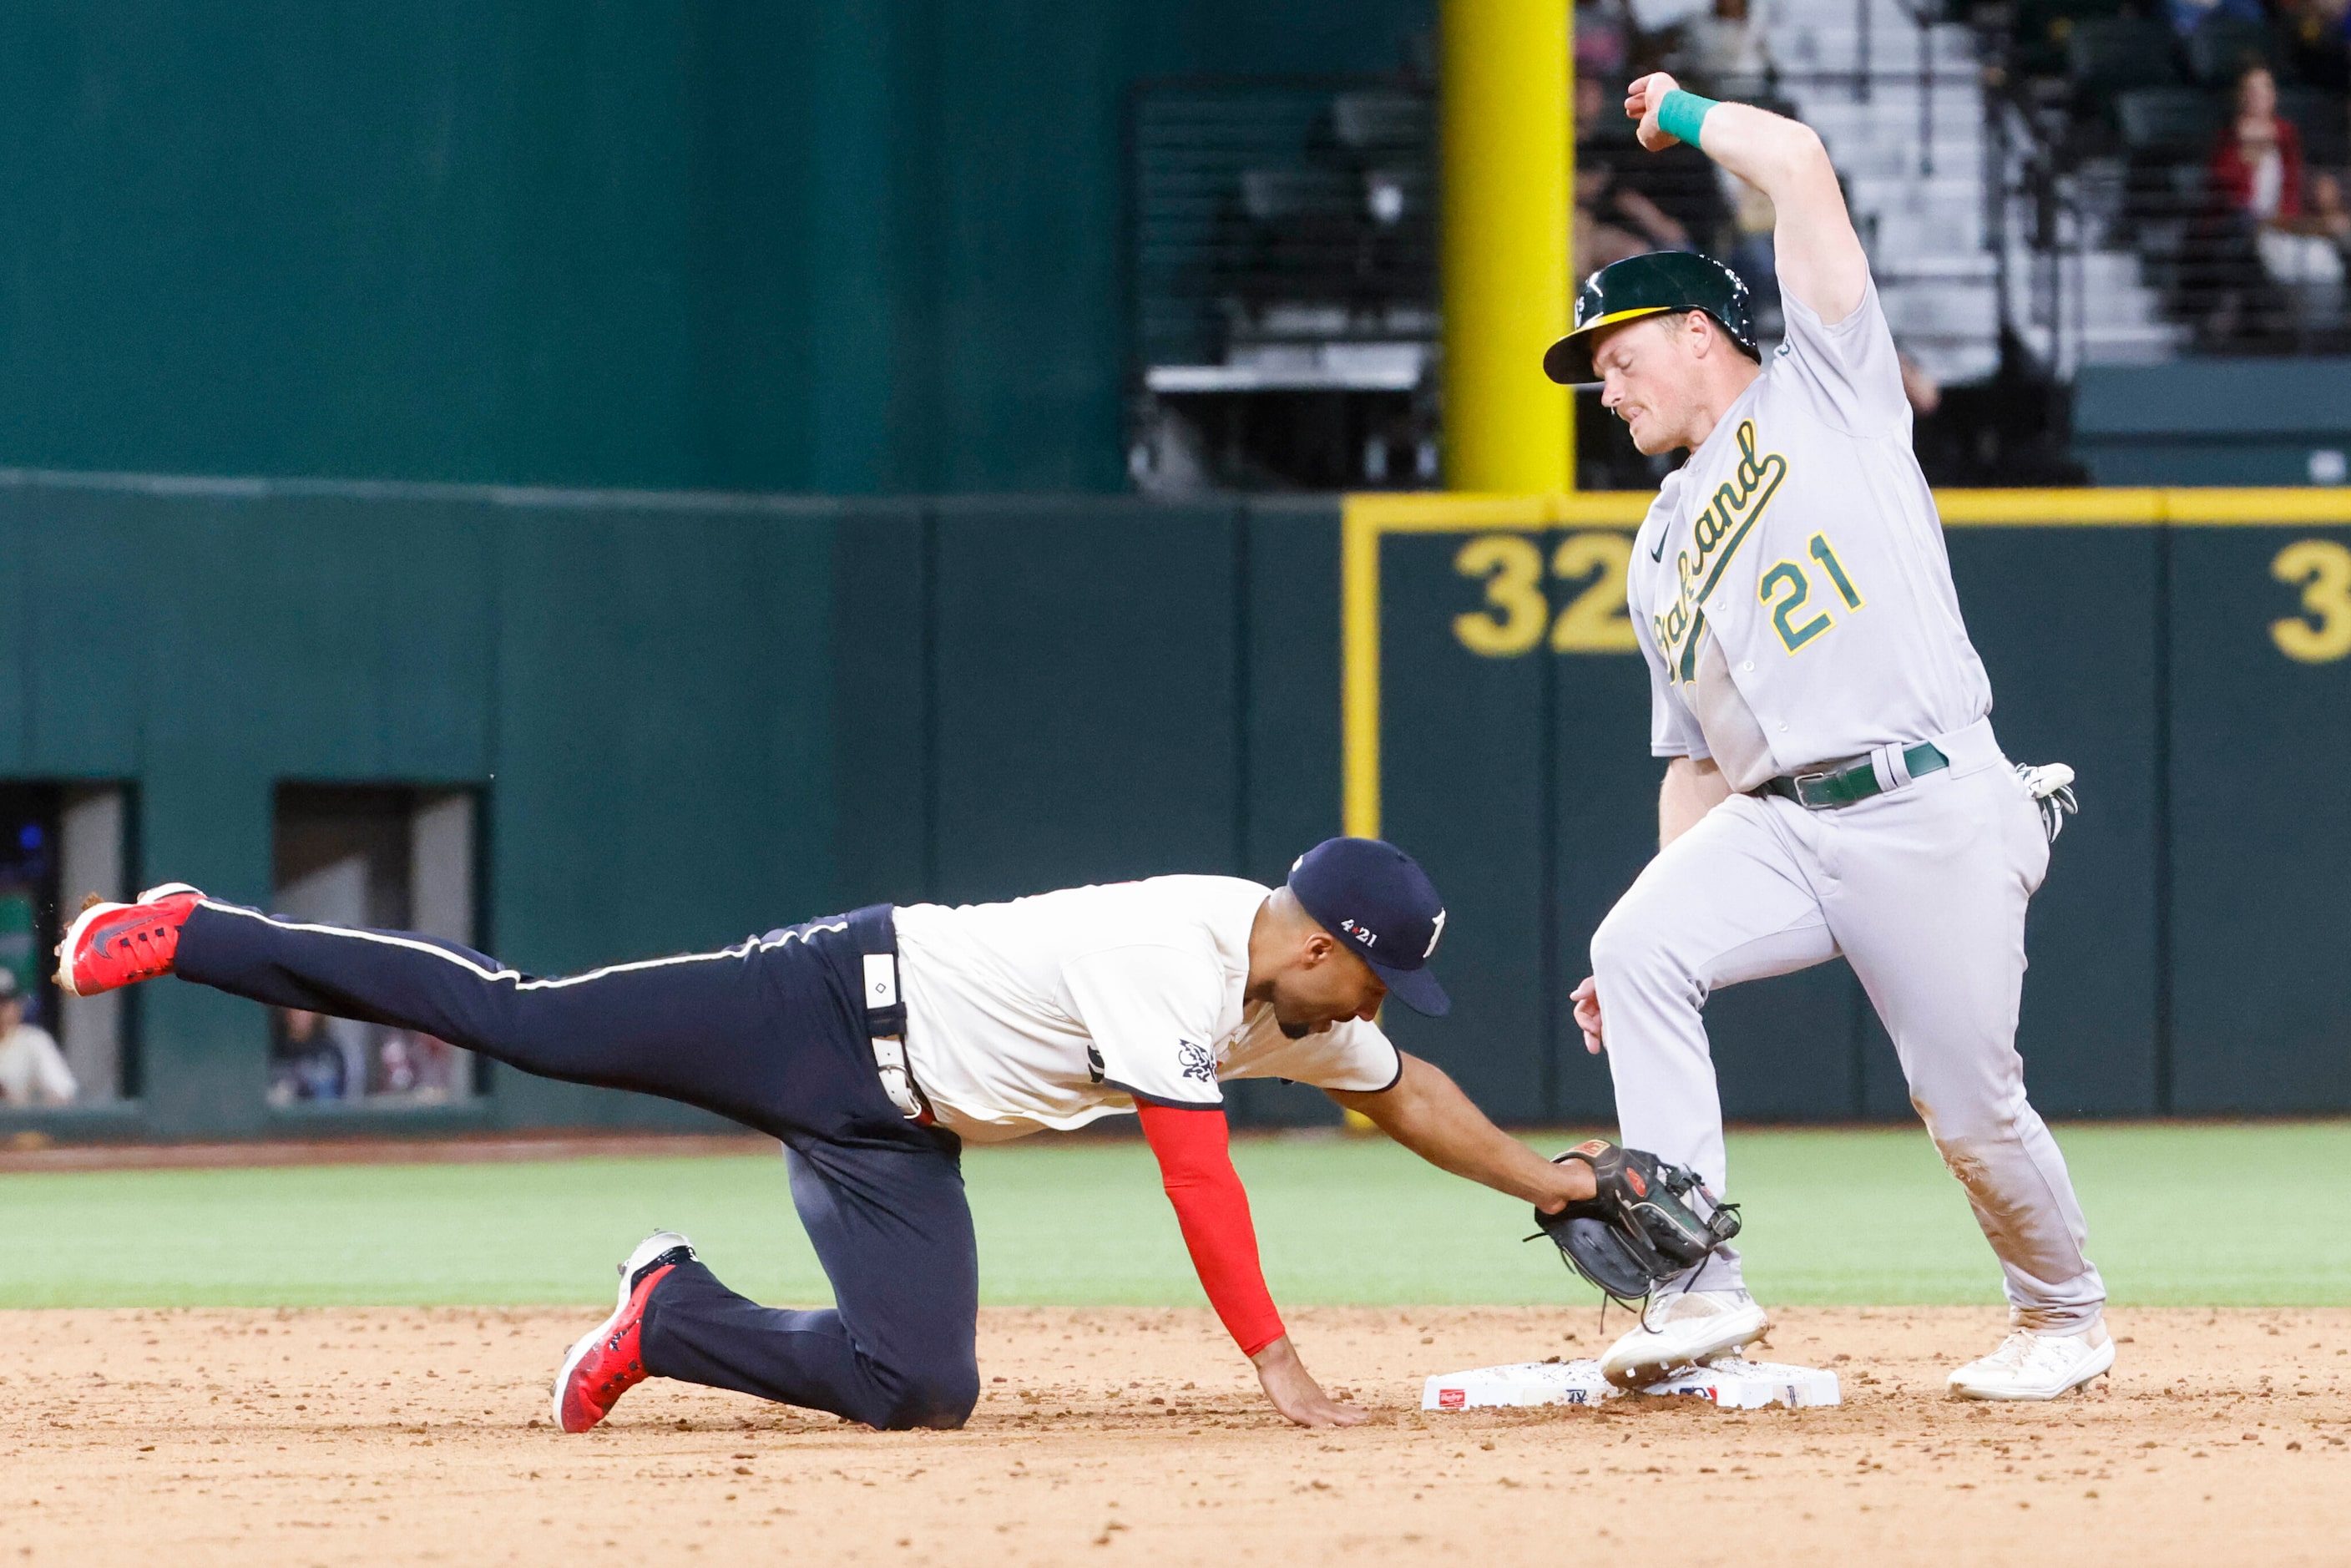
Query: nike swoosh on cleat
{"points": [[105, 933], [106, 941]]}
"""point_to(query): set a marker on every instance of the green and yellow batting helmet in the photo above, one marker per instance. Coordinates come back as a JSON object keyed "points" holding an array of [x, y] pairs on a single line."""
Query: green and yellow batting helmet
{"points": [[1650, 286]]}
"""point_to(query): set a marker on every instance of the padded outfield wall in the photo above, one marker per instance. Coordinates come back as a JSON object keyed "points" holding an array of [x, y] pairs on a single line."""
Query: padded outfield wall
{"points": [[692, 717], [844, 247]]}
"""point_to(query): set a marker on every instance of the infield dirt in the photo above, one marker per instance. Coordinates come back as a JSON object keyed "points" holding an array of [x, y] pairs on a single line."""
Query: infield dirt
{"points": [[404, 1435]]}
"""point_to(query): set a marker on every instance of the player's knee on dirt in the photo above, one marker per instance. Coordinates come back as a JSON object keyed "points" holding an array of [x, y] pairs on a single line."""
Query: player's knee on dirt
{"points": [[940, 1395]]}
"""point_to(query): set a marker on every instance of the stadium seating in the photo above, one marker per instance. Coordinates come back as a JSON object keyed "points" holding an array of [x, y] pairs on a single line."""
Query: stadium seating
{"points": [[2146, 107], [2325, 127], [2043, 30], [2031, 181], [2168, 122], [2107, 55]]}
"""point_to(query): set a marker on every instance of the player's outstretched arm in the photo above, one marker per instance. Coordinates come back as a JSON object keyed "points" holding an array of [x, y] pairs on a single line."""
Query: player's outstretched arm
{"points": [[1819, 256], [1425, 1112], [1192, 1145]]}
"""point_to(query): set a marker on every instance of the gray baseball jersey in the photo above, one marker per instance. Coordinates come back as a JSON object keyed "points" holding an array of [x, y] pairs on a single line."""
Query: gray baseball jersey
{"points": [[1793, 597], [1790, 586]]}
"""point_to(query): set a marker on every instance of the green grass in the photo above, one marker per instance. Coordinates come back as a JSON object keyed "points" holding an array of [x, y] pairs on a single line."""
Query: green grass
{"points": [[2178, 1215]]}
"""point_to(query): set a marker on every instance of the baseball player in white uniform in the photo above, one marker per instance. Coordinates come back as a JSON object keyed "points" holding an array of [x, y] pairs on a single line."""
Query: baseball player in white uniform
{"points": [[873, 1045], [1833, 783]]}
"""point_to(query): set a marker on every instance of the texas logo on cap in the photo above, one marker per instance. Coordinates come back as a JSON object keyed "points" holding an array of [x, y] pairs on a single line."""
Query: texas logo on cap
{"points": [[1375, 898]]}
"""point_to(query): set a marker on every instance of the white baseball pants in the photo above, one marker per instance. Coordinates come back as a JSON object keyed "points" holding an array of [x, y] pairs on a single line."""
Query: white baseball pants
{"points": [[1923, 889]]}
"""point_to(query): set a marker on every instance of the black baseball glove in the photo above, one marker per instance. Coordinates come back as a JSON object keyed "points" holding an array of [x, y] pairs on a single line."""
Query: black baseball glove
{"points": [[1648, 1222]]}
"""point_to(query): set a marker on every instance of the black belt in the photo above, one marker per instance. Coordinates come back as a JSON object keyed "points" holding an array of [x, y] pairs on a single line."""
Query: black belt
{"points": [[1830, 789], [876, 932]]}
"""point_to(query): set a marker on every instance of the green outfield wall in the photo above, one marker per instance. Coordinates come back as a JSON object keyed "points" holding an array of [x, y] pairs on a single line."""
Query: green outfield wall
{"points": [[696, 716], [855, 246]]}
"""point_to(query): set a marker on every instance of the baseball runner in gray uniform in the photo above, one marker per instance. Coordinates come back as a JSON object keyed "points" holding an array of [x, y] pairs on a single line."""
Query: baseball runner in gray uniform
{"points": [[1833, 786]]}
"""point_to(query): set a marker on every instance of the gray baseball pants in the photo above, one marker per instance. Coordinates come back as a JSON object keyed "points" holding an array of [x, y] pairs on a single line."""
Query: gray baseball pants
{"points": [[1923, 889]]}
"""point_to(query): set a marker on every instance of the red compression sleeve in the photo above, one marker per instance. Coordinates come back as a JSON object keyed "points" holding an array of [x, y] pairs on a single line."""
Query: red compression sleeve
{"points": [[1195, 1165]]}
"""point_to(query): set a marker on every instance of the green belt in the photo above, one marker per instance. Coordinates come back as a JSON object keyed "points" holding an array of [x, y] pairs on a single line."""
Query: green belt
{"points": [[1848, 786]]}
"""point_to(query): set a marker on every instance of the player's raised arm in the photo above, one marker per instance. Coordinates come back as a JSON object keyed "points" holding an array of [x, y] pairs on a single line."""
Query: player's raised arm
{"points": [[1819, 257]]}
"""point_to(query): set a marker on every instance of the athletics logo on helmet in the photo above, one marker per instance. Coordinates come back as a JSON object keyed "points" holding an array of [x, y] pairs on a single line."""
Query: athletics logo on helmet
{"points": [[1375, 898], [1650, 286]]}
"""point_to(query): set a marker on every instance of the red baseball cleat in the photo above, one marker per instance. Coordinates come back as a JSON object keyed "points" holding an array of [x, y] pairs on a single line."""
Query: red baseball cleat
{"points": [[605, 1364], [111, 945]]}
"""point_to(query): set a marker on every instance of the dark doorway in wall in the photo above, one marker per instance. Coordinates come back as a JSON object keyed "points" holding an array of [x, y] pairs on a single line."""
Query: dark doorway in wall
{"points": [[387, 856], [59, 841]]}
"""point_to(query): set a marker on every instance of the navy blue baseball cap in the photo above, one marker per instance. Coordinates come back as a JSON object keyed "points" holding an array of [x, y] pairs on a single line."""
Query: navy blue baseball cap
{"points": [[1376, 899]]}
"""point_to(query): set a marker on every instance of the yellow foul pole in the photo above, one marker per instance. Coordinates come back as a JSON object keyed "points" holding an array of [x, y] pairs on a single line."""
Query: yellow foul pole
{"points": [[1508, 153]]}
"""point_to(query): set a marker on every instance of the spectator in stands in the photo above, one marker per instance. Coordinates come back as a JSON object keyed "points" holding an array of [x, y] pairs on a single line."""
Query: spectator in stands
{"points": [[1628, 202], [1751, 256], [305, 1062], [2256, 164], [1599, 129], [1614, 220], [1603, 44], [1729, 50], [2330, 217], [415, 1065], [2258, 182], [33, 1070]]}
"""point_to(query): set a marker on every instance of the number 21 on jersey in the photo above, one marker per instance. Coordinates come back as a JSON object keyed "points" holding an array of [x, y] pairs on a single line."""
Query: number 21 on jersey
{"points": [[1788, 590]]}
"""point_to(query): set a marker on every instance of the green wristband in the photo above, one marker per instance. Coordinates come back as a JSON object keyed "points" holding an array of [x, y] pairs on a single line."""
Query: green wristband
{"points": [[1683, 114]]}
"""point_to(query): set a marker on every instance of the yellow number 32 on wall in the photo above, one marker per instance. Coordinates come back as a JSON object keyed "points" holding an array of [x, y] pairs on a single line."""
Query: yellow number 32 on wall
{"points": [[1518, 610]]}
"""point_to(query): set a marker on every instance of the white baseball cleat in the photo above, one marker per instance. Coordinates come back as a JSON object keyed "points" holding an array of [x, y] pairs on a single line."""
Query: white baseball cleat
{"points": [[2029, 1366], [1682, 1329]]}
